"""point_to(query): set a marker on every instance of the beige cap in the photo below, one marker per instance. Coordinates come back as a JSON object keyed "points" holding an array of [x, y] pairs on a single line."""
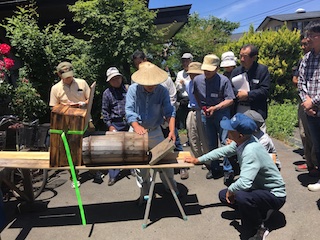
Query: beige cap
{"points": [[149, 74], [195, 68], [65, 69], [210, 62]]}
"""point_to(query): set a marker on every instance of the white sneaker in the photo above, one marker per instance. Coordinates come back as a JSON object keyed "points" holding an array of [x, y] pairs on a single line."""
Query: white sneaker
{"points": [[314, 187], [73, 186]]}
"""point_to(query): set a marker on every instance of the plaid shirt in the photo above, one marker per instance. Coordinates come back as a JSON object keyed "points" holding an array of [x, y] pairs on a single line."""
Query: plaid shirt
{"points": [[309, 78], [113, 105]]}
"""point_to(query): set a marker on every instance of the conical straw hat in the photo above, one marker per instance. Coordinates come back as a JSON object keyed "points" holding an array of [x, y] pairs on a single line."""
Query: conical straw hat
{"points": [[149, 74]]}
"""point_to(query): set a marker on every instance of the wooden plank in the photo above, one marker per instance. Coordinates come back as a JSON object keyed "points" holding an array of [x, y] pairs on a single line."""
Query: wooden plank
{"points": [[89, 106], [56, 123], [12, 159], [159, 151], [75, 120]]}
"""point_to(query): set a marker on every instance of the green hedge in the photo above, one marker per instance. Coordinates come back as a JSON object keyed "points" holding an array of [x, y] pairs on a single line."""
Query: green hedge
{"points": [[282, 120]]}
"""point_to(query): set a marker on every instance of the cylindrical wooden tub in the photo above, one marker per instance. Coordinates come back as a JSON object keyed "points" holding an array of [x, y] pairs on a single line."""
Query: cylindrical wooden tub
{"points": [[118, 148]]}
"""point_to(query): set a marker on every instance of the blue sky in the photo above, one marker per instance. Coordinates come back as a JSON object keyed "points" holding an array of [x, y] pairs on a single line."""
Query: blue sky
{"points": [[243, 11]]}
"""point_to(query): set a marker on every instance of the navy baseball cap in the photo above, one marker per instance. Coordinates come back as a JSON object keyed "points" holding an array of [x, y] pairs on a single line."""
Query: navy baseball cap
{"points": [[240, 123]]}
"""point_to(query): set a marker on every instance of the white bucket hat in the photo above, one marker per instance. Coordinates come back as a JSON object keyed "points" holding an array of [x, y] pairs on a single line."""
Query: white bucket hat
{"points": [[228, 59], [112, 72], [149, 74]]}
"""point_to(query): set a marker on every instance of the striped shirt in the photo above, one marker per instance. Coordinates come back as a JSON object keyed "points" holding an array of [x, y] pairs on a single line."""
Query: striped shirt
{"points": [[309, 77]]}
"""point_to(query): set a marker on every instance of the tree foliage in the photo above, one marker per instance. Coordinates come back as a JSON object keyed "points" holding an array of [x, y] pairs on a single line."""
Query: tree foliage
{"points": [[42, 49], [116, 29], [202, 36], [280, 51]]}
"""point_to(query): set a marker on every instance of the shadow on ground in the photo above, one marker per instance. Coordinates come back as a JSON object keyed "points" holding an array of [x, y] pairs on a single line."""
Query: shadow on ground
{"points": [[163, 206]]}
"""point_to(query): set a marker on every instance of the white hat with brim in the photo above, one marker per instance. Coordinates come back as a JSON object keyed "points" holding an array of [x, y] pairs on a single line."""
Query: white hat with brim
{"points": [[228, 59], [210, 63], [149, 74], [112, 72], [228, 63]]}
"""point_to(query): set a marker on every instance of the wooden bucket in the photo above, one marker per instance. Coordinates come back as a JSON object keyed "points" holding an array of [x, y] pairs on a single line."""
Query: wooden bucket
{"points": [[115, 148]]}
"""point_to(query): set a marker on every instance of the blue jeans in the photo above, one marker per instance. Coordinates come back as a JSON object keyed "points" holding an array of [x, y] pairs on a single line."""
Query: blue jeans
{"points": [[314, 127]]}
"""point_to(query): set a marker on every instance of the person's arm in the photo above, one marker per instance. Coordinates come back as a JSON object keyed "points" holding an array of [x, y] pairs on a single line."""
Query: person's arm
{"points": [[307, 102], [228, 98], [225, 103], [169, 85], [131, 115], [53, 97], [225, 151], [172, 126]]}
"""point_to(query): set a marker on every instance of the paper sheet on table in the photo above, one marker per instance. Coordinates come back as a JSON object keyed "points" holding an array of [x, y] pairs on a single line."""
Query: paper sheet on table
{"points": [[240, 82]]}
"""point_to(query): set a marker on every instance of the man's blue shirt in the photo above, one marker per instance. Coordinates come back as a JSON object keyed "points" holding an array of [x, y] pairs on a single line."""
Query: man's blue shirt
{"points": [[149, 109]]}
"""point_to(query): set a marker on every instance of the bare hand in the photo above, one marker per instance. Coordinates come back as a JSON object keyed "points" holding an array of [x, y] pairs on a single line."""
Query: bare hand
{"points": [[230, 197], [228, 141], [172, 136], [191, 160], [242, 95], [140, 130], [307, 104], [112, 129]]}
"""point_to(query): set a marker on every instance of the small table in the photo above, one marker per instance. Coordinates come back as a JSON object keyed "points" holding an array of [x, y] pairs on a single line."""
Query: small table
{"points": [[35, 160]]}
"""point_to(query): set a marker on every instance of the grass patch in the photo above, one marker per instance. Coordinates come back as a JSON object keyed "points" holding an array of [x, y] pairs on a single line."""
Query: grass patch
{"points": [[282, 120]]}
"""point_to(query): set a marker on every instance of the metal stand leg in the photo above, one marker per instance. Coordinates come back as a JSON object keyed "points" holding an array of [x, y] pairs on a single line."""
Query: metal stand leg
{"points": [[174, 194], [149, 198]]}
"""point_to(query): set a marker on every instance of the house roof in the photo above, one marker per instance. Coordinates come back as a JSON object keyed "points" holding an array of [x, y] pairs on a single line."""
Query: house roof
{"points": [[173, 18], [289, 17]]}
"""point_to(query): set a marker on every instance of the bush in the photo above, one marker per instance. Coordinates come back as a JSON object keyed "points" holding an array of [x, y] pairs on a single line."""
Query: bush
{"points": [[282, 120]]}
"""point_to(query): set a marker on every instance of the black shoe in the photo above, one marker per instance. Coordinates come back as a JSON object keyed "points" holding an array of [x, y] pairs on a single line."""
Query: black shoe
{"points": [[228, 178], [99, 175], [214, 174], [111, 181]]}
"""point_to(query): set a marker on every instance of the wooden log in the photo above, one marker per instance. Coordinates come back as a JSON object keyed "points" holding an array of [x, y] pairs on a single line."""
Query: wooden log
{"points": [[115, 148]]}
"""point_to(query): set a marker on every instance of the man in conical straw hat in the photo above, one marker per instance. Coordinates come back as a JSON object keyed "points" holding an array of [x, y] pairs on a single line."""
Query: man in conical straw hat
{"points": [[147, 105]]}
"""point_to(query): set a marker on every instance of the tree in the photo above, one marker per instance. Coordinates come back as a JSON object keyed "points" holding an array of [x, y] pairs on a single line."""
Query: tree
{"points": [[200, 37], [280, 51], [116, 29], [42, 49]]}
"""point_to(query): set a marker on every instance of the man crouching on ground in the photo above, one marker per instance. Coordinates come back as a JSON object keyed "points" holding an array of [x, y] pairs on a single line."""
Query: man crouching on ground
{"points": [[260, 186]]}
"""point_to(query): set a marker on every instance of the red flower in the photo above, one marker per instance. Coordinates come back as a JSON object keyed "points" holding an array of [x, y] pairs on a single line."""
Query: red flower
{"points": [[8, 63], [4, 48]]}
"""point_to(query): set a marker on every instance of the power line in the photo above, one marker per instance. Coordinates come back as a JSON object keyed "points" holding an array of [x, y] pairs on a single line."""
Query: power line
{"points": [[216, 9], [263, 13], [278, 10]]}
